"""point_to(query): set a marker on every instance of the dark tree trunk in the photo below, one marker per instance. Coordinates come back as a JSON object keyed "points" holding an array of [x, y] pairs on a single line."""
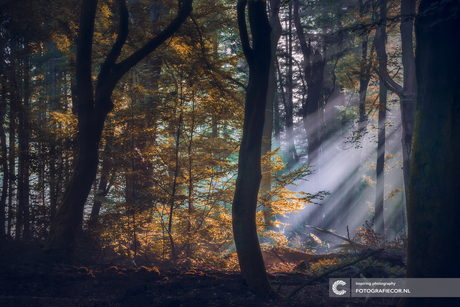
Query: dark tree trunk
{"points": [[364, 79], [314, 64], [380, 174], [52, 145], [289, 102], [433, 210], [4, 151], [23, 171], [11, 164], [268, 125], [249, 170], [381, 38], [409, 96], [92, 112], [103, 187], [406, 93]]}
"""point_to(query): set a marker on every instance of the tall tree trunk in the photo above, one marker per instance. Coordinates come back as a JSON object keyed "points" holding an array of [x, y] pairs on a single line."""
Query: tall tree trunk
{"points": [[268, 125], [24, 161], [249, 170], [191, 185], [289, 102], [92, 112], [364, 79], [11, 164], [314, 64], [409, 96], [381, 35], [103, 188], [52, 143], [15, 104], [406, 93], [4, 151], [379, 190], [175, 184], [433, 210]]}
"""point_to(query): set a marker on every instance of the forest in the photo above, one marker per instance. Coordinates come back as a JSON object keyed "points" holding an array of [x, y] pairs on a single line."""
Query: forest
{"points": [[226, 153]]}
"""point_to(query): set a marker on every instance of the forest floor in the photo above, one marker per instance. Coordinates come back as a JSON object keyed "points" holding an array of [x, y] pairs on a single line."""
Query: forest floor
{"points": [[27, 282]]}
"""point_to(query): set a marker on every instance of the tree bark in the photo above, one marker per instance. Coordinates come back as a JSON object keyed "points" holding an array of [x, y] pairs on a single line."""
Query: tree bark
{"points": [[433, 210], [4, 151], [268, 125], [104, 186], [23, 138], [409, 97], [92, 111], [380, 39], [364, 79], [406, 93], [11, 164], [293, 158], [249, 170], [314, 64]]}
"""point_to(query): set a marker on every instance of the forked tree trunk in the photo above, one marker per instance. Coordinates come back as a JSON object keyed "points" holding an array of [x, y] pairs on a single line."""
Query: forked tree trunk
{"points": [[92, 112], [407, 92], [249, 169]]}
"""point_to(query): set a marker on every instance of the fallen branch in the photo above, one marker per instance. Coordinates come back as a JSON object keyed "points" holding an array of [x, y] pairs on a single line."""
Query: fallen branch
{"points": [[331, 271], [351, 244], [349, 240]]}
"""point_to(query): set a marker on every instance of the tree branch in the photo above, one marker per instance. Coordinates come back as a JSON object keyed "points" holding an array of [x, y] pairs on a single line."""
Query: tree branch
{"points": [[83, 56], [247, 50], [389, 83], [113, 55], [298, 26], [124, 66]]}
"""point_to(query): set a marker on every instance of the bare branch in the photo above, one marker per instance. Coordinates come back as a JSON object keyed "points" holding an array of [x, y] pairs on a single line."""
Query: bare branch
{"points": [[113, 55], [240, 9]]}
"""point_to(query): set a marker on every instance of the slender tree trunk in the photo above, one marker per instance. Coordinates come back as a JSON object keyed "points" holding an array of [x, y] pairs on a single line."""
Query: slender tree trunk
{"points": [[289, 106], [191, 186], [24, 146], [364, 78], [363, 81], [23, 212], [314, 64], [52, 145], [433, 210], [175, 184], [276, 122], [379, 191], [406, 93], [103, 188], [16, 105], [409, 98], [11, 164], [249, 170], [4, 151], [268, 125]]}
